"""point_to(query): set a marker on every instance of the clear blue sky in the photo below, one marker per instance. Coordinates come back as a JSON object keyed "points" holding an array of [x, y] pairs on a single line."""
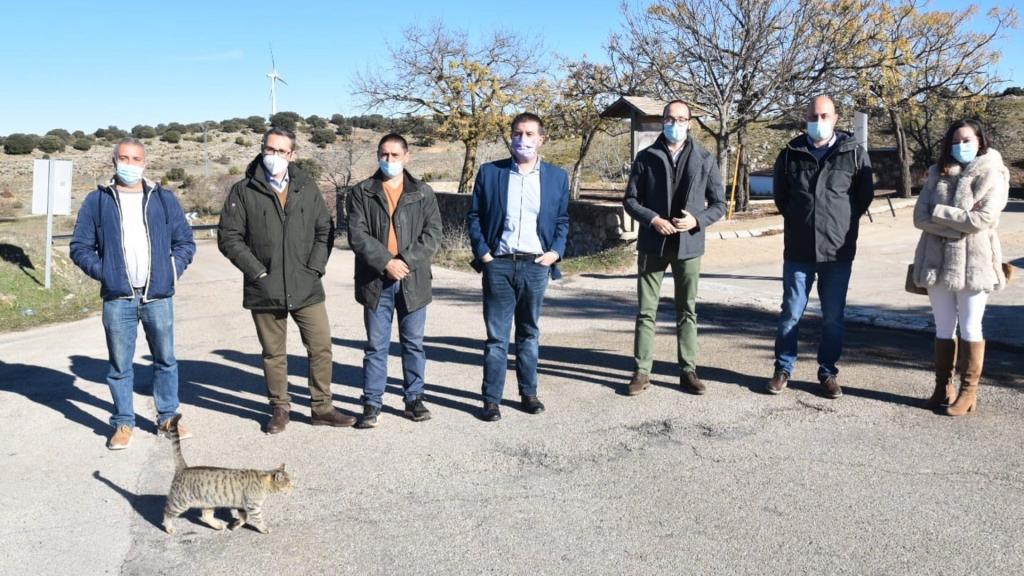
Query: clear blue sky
{"points": [[85, 65]]}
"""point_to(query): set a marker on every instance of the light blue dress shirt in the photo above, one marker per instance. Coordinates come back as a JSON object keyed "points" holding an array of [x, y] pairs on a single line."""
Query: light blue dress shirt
{"points": [[520, 233]]}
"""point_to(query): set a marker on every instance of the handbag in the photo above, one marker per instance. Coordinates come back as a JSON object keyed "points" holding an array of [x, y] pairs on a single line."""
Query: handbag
{"points": [[909, 284]]}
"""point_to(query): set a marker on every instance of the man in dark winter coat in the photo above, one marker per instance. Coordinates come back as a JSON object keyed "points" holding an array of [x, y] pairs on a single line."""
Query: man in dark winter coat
{"points": [[823, 185], [133, 237], [275, 228], [394, 228], [675, 192]]}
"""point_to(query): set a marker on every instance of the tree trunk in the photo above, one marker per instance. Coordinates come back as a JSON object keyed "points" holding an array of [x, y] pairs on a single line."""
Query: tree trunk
{"points": [[743, 183], [903, 185], [722, 152], [577, 169], [468, 166]]}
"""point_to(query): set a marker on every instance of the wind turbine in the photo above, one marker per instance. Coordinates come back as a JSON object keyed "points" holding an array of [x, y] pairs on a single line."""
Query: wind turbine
{"points": [[274, 79]]}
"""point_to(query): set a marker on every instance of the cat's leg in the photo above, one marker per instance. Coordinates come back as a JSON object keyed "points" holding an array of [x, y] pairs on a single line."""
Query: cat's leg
{"points": [[172, 511], [254, 512], [239, 516], [212, 522]]}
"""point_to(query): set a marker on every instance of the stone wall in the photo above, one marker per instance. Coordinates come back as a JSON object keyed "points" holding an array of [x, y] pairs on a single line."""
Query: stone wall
{"points": [[593, 226]]}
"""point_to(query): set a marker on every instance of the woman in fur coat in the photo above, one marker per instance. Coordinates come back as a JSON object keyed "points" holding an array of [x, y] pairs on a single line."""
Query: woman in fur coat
{"points": [[958, 257]]}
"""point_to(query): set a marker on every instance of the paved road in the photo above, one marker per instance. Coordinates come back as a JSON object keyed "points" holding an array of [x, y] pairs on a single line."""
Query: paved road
{"points": [[734, 482]]}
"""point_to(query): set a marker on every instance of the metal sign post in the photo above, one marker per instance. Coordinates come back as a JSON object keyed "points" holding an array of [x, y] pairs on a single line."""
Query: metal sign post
{"points": [[51, 194]]}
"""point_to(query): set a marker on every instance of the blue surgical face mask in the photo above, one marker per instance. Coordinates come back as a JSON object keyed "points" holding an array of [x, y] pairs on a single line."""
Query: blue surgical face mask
{"points": [[819, 131], [965, 152], [525, 150], [390, 169], [675, 132], [129, 174]]}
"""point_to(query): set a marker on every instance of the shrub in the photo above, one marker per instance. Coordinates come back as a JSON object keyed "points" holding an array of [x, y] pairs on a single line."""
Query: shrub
{"points": [[223, 159], [345, 130], [82, 144], [233, 125], [78, 134], [61, 133], [188, 181], [338, 120], [323, 136], [234, 171], [241, 141], [285, 120], [315, 122], [143, 131], [51, 144], [256, 123], [171, 137], [176, 174], [310, 167], [20, 143]]}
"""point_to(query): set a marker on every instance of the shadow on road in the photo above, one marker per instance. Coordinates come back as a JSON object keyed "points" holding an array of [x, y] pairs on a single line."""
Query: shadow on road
{"points": [[149, 506]]}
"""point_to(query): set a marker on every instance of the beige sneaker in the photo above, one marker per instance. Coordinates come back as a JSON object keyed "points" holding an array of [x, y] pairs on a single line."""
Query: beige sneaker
{"points": [[165, 430], [121, 439]]}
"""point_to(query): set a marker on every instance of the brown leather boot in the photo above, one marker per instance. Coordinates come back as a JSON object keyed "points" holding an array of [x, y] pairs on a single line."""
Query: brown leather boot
{"points": [[945, 366], [970, 374], [278, 421], [640, 382]]}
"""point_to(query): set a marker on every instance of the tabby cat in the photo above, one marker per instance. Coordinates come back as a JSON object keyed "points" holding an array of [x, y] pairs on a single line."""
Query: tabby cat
{"points": [[207, 487]]}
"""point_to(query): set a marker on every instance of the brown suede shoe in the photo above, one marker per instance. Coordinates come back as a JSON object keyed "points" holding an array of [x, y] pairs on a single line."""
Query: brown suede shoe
{"points": [[689, 382], [641, 381], [121, 439], [279, 421], [778, 382], [333, 418], [832, 389], [181, 430]]}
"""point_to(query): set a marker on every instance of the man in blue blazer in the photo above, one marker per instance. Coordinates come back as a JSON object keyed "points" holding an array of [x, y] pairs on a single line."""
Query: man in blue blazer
{"points": [[518, 225]]}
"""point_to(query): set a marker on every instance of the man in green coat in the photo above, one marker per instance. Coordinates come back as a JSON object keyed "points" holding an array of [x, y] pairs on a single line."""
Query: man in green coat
{"points": [[275, 228]]}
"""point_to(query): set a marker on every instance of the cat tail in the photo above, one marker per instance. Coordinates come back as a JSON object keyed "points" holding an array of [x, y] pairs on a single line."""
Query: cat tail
{"points": [[179, 458]]}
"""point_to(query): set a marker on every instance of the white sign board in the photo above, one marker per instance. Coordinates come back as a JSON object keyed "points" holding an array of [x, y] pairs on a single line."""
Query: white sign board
{"points": [[61, 186], [860, 129]]}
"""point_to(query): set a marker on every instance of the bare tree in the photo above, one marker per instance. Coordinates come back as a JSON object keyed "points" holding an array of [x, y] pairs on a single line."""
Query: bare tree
{"points": [[913, 58], [585, 90], [739, 61], [469, 89]]}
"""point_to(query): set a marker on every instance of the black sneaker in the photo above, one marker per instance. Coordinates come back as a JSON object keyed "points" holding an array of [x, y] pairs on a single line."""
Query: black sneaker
{"points": [[369, 417], [416, 411], [490, 413], [532, 404]]}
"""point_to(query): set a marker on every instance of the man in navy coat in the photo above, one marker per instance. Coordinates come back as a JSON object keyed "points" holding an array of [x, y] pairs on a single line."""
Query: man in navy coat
{"points": [[518, 225]]}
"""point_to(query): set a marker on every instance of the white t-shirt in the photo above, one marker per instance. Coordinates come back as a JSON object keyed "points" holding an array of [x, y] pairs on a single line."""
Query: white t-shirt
{"points": [[135, 240]]}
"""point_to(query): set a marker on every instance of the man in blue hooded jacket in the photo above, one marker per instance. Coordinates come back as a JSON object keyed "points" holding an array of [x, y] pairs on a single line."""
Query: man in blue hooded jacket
{"points": [[133, 237]]}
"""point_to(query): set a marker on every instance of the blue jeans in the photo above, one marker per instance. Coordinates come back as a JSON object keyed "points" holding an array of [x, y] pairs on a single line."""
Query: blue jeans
{"points": [[797, 281], [378, 340], [513, 290], [120, 323]]}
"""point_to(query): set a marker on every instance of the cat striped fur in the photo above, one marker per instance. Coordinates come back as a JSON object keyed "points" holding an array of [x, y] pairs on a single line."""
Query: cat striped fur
{"points": [[207, 487]]}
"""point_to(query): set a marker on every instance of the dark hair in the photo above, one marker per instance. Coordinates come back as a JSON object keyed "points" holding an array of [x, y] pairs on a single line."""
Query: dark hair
{"points": [[527, 117], [664, 110], [946, 160], [280, 131], [392, 137]]}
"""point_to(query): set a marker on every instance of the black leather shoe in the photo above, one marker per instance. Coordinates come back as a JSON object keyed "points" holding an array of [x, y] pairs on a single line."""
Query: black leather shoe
{"points": [[532, 404], [490, 413]]}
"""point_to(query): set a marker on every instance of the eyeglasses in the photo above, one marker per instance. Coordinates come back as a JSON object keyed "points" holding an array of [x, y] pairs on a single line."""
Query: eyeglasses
{"points": [[676, 120], [276, 151]]}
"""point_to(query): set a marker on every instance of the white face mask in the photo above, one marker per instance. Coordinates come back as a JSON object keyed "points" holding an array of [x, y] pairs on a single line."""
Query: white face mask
{"points": [[129, 174], [275, 164], [819, 131]]}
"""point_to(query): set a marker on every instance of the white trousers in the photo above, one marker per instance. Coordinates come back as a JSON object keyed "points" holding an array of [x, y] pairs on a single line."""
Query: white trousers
{"points": [[965, 307]]}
